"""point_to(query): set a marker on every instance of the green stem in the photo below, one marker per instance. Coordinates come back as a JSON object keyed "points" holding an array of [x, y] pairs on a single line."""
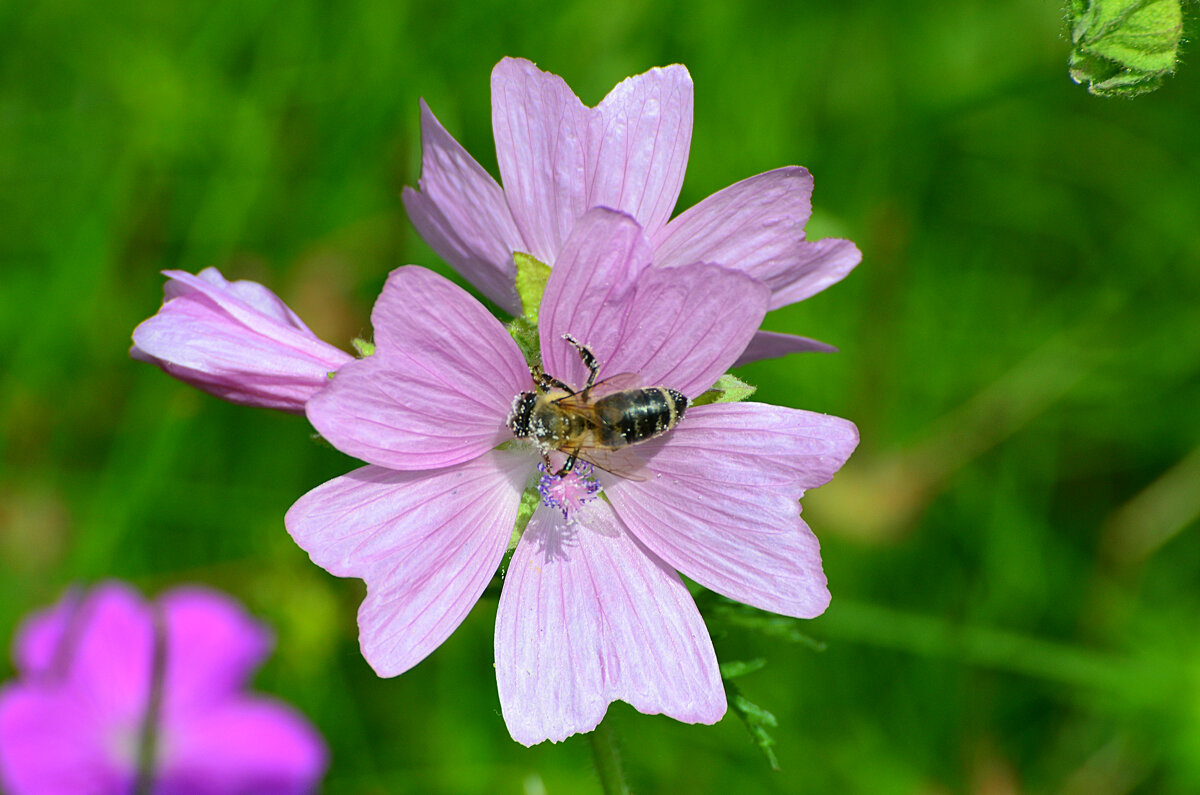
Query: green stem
{"points": [[608, 760]]}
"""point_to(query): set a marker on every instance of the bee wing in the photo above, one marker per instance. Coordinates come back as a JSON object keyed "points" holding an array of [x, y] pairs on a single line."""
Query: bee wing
{"points": [[624, 463], [617, 383]]}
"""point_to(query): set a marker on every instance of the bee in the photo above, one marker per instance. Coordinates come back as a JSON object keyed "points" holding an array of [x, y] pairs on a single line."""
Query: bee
{"points": [[591, 423]]}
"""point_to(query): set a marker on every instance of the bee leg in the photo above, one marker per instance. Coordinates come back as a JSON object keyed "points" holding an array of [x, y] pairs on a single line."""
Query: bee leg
{"points": [[569, 465], [547, 382], [589, 360]]}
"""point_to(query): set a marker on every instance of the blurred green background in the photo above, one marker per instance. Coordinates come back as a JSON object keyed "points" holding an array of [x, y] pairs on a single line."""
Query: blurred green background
{"points": [[1012, 550]]}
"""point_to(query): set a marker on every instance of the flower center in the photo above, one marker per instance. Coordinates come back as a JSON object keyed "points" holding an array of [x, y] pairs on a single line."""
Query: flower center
{"points": [[569, 491]]}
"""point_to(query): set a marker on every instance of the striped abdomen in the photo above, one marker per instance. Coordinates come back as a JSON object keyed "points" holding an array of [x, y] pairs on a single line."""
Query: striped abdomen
{"points": [[636, 415]]}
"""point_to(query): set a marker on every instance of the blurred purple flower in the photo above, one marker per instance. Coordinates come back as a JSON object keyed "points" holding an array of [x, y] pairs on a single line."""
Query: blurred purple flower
{"points": [[592, 609], [235, 340], [103, 672], [558, 158]]}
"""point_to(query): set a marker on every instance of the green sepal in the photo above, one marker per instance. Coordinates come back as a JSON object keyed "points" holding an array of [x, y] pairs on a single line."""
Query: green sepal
{"points": [[757, 720], [728, 389], [531, 283], [529, 503], [362, 347], [1124, 47], [525, 333]]}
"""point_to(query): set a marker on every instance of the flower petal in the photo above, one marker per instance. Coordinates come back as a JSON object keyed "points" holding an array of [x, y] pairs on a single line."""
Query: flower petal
{"points": [[771, 344], [244, 745], [235, 340], [678, 327], [750, 225], [51, 744], [541, 131], [687, 326], [40, 649], [427, 544], [816, 265], [638, 145], [256, 295], [589, 289], [722, 503], [460, 211], [108, 651], [588, 616], [437, 389], [757, 226], [213, 647]]}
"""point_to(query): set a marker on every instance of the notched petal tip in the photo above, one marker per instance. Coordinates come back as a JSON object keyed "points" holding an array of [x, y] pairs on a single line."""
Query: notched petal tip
{"points": [[426, 543], [723, 505], [588, 616], [814, 266]]}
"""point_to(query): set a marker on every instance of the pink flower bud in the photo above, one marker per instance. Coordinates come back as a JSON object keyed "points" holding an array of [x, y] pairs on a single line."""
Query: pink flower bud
{"points": [[235, 340]]}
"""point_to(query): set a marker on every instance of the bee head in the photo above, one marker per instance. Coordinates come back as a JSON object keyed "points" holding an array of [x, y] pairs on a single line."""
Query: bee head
{"points": [[521, 414]]}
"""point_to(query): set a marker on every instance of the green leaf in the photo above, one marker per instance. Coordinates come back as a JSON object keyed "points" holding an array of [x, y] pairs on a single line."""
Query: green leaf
{"points": [[1124, 47], [732, 670], [757, 721], [531, 283], [728, 389], [721, 613]]}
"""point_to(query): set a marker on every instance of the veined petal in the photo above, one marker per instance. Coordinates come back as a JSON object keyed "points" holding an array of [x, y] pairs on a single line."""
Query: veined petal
{"points": [[816, 265], [236, 340], [247, 744], [687, 326], [757, 226], [460, 211], [750, 225], [541, 131], [427, 543], [213, 648], [678, 327], [588, 616], [50, 746], [638, 145], [437, 389], [722, 504], [589, 290], [252, 307], [771, 344], [257, 296]]}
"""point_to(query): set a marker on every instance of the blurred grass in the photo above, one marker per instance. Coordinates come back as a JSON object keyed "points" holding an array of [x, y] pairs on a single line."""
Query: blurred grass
{"points": [[1012, 550]]}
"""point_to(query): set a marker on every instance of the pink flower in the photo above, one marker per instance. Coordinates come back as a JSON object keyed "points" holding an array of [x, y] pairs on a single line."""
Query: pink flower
{"points": [[101, 672], [235, 340], [558, 158], [592, 609]]}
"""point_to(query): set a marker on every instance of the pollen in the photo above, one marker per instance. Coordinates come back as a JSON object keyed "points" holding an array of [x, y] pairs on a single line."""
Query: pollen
{"points": [[569, 491]]}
